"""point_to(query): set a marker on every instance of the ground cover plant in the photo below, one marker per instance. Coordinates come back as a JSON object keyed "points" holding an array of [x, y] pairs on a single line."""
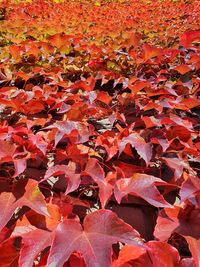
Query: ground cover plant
{"points": [[99, 133]]}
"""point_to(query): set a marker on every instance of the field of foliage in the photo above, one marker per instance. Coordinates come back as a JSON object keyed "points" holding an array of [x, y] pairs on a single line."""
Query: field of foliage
{"points": [[99, 108]]}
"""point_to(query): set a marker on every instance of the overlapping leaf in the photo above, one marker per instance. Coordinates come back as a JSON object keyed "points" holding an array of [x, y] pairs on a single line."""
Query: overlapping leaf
{"points": [[32, 198], [96, 98], [101, 229], [143, 186]]}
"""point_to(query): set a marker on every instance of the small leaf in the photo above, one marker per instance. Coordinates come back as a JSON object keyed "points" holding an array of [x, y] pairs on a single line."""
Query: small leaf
{"points": [[150, 51], [73, 177], [94, 170], [190, 189], [183, 69], [7, 207], [143, 149]]}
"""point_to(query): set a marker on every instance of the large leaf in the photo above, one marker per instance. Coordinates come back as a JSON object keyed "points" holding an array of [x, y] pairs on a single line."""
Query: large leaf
{"points": [[94, 241], [141, 185]]}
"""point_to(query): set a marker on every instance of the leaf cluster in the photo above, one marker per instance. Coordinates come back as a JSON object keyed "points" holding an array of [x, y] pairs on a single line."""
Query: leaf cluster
{"points": [[91, 123]]}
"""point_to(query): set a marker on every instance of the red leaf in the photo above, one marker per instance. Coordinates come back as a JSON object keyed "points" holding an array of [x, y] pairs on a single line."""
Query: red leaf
{"points": [[20, 166], [7, 208], [15, 51], [58, 40], [143, 149], [129, 253], [166, 223], [7, 151], [32, 198], [33, 243], [150, 51], [188, 37], [184, 221], [75, 260], [101, 229], [134, 39], [177, 165], [183, 69], [8, 254], [138, 86], [73, 177], [141, 185], [163, 254], [33, 106], [190, 189], [104, 97], [187, 262], [34, 240], [94, 170], [157, 254], [194, 246], [66, 127]]}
